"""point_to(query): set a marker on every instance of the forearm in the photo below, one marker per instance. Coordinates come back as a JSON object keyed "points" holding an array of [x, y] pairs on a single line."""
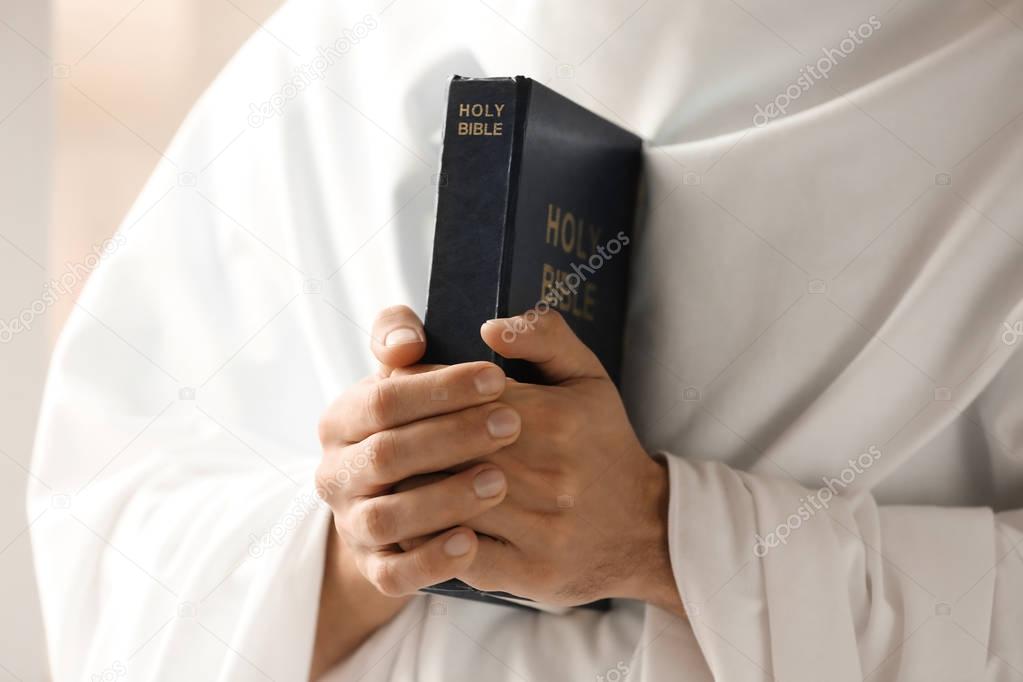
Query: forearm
{"points": [[351, 609]]}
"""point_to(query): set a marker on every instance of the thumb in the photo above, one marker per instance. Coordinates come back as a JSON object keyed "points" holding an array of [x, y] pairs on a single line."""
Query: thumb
{"points": [[398, 339], [545, 340]]}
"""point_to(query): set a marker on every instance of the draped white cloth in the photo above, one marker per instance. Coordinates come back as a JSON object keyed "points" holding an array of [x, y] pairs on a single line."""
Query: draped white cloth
{"points": [[824, 340]]}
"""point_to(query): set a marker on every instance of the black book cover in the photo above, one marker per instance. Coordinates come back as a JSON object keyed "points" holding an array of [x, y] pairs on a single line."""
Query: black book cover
{"points": [[536, 206]]}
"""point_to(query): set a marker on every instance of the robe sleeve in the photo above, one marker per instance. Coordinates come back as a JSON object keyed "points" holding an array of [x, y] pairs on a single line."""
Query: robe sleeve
{"points": [[174, 536], [783, 582], [174, 527]]}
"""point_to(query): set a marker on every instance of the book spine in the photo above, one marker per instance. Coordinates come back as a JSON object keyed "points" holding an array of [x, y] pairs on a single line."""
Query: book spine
{"points": [[475, 190]]}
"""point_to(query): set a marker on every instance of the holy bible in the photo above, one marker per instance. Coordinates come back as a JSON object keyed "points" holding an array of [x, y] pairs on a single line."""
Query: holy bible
{"points": [[536, 205]]}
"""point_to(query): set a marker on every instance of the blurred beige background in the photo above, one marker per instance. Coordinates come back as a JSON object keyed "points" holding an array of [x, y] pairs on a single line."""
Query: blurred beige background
{"points": [[92, 91], [134, 70]]}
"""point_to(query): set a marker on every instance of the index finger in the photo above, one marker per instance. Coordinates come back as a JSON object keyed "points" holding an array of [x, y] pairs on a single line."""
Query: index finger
{"points": [[370, 407]]}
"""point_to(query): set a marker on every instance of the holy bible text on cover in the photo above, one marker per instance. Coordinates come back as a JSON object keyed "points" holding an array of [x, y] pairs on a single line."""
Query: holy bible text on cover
{"points": [[536, 207]]}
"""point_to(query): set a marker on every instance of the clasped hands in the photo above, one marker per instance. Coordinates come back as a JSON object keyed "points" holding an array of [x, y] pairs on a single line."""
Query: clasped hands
{"points": [[543, 491]]}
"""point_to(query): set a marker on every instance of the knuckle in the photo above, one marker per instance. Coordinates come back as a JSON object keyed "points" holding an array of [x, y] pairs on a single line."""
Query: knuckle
{"points": [[382, 453], [376, 523], [381, 403], [345, 523], [324, 480], [557, 540], [384, 577], [568, 424], [559, 435]]}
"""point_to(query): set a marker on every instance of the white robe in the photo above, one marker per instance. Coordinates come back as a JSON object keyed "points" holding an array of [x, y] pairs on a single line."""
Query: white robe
{"points": [[844, 281]]}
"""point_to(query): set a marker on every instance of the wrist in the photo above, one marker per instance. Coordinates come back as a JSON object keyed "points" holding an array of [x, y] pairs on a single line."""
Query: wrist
{"points": [[351, 609], [653, 580]]}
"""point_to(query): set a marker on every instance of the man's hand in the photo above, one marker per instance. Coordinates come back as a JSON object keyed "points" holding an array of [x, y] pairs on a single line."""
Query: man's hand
{"points": [[387, 429], [585, 516], [586, 513], [441, 472]]}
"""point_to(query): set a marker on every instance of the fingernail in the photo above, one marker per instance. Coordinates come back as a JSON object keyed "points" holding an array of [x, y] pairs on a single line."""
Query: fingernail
{"points": [[489, 381], [503, 422], [457, 545], [488, 483], [401, 336]]}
